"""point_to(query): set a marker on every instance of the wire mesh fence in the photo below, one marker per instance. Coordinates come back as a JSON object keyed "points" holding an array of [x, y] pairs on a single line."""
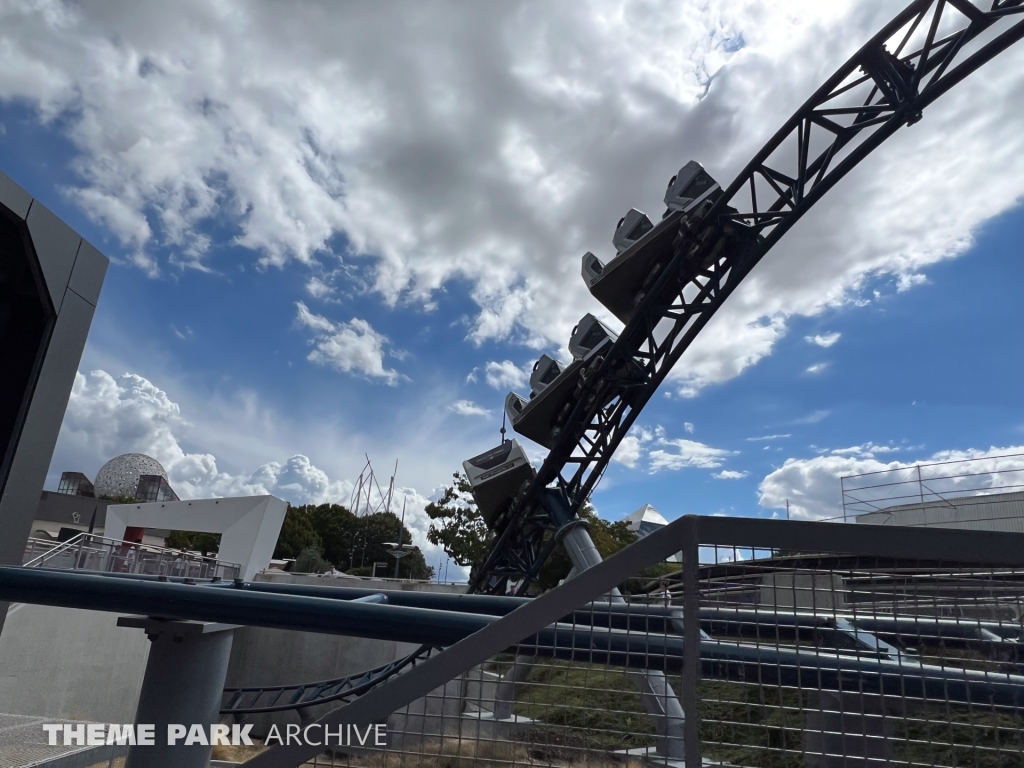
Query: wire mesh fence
{"points": [[833, 647]]}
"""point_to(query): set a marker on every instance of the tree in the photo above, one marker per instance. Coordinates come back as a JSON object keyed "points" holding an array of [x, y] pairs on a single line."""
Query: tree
{"points": [[297, 534], [608, 537], [351, 543], [458, 526], [195, 541]]}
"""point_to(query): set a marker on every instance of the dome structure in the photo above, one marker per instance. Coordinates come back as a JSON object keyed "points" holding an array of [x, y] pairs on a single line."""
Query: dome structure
{"points": [[120, 476]]}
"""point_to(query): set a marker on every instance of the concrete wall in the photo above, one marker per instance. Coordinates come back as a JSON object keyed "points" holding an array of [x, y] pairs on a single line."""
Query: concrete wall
{"points": [[79, 665], [70, 664]]}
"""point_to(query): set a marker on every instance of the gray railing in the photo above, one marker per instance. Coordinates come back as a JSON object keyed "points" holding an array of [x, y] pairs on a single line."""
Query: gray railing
{"points": [[90, 552], [813, 644]]}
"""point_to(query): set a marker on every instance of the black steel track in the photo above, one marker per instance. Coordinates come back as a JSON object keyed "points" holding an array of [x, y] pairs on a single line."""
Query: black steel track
{"points": [[886, 85]]}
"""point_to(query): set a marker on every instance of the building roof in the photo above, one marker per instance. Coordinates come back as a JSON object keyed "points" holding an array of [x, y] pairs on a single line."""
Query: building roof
{"points": [[645, 520]]}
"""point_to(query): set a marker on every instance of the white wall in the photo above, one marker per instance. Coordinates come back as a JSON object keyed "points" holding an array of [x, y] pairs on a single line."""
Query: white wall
{"points": [[249, 525]]}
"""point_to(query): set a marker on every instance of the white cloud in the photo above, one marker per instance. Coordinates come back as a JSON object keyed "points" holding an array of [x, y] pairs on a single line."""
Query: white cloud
{"points": [[304, 132], [866, 450], [628, 452], [688, 427], [317, 288], [823, 339], [108, 416], [686, 453], [812, 418], [767, 438], [507, 374], [813, 488], [346, 347], [468, 408], [817, 367], [729, 474]]}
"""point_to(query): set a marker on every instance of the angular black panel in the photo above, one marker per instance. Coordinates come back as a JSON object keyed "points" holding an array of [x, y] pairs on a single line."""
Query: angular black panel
{"points": [[87, 276], [56, 245], [26, 320], [14, 197]]}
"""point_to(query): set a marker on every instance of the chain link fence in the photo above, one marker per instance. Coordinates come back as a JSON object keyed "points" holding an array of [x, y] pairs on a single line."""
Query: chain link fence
{"points": [[815, 645]]}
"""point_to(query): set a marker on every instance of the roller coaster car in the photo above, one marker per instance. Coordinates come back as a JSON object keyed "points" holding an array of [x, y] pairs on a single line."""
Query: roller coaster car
{"points": [[587, 334], [545, 371], [496, 477], [690, 184], [542, 416], [621, 284], [631, 229]]}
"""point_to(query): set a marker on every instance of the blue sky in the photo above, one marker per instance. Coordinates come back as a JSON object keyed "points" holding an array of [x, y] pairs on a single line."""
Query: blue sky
{"points": [[320, 253]]}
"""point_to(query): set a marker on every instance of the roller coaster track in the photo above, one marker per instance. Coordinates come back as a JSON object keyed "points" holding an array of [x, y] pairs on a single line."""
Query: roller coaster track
{"points": [[248, 701], [876, 92], [885, 85]]}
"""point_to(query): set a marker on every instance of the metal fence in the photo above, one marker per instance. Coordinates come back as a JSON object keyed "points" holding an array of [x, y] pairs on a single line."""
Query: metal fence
{"points": [[970, 486], [89, 552], [814, 644]]}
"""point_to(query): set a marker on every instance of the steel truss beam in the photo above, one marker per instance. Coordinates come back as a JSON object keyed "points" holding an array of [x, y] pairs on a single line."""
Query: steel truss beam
{"points": [[887, 84]]}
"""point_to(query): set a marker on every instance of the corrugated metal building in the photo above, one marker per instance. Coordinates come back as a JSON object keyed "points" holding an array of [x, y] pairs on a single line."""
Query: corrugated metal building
{"points": [[992, 512]]}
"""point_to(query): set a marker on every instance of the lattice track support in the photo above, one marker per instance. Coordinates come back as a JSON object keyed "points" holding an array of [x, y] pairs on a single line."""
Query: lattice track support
{"points": [[922, 53]]}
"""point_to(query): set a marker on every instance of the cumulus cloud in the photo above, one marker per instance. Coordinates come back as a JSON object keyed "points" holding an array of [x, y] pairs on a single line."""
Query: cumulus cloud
{"points": [[317, 288], [468, 408], [817, 367], [506, 374], [346, 347], [823, 339], [629, 451], [729, 474], [678, 454], [814, 491], [765, 438], [477, 150], [109, 415]]}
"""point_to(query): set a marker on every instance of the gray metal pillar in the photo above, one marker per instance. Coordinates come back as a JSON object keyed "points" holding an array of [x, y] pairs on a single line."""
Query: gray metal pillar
{"points": [[656, 693], [184, 680]]}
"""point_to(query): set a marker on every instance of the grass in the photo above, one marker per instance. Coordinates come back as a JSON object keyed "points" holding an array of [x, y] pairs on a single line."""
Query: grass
{"points": [[583, 707]]}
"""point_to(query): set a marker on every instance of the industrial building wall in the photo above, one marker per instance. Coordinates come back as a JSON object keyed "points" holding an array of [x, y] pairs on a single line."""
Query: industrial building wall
{"points": [[995, 512]]}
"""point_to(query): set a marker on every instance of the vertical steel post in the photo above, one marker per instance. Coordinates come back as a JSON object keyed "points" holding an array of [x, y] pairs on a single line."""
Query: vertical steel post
{"points": [[691, 640], [188, 662]]}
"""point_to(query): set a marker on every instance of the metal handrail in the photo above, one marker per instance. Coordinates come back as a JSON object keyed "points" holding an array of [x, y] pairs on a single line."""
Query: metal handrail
{"points": [[170, 556]]}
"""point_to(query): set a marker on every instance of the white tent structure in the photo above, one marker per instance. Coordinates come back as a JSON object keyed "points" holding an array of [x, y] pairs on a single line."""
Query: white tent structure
{"points": [[647, 520]]}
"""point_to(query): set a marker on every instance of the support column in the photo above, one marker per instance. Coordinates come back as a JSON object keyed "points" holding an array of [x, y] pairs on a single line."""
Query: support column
{"points": [[188, 662], [656, 694]]}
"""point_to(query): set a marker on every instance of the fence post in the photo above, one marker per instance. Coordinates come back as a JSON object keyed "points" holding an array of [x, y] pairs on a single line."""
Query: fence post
{"points": [[691, 641]]}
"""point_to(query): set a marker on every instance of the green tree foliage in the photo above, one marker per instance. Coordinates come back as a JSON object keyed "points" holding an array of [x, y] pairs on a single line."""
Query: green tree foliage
{"points": [[457, 525], [309, 561], [459, 528], [337, 529], [297, 534], [351, 543], [608, 537], [194, 541]]}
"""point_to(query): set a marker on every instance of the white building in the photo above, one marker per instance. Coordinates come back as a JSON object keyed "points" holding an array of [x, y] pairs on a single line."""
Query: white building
{"points": [[991, 512], [647, 520]]}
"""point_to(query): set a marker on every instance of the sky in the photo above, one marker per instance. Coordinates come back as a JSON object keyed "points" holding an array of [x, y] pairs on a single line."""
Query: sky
{"points": [[348, 230]]}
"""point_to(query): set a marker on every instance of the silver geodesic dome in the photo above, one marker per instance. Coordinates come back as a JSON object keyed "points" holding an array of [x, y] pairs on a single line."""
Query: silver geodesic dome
{"points": [[120, 476]]}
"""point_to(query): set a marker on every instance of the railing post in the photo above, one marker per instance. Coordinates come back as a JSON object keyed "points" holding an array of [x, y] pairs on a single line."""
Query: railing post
{"points": [[691, 641]]}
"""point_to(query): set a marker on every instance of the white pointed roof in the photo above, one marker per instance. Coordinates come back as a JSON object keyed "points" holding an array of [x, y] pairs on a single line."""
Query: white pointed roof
{"points": [[646, 514]]}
